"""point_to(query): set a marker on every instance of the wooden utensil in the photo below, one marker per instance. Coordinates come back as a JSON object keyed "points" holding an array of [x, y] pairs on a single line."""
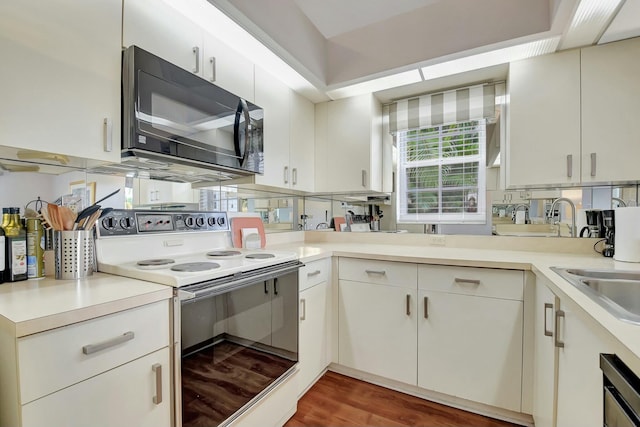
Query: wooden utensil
{"points": [[54, 217], [67, 217]]}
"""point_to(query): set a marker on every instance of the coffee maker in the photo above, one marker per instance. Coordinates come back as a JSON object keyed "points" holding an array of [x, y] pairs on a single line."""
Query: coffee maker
{"points": [[594, 227], [608, 224]]}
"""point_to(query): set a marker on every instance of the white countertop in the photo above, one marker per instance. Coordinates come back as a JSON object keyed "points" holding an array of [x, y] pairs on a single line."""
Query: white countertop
{"points": [[33, 306], [538, 262]]}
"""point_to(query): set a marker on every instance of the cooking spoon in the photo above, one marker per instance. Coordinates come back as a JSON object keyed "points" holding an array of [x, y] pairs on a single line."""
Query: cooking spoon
{"points": [[85, 213]]}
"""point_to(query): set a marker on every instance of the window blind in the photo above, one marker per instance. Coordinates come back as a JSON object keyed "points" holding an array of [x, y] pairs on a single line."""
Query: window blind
{"points": [[441, 173], [469, 103]]}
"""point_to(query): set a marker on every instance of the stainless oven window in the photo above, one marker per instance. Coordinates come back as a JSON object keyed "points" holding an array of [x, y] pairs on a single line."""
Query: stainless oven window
{"points": [[235, 346]]}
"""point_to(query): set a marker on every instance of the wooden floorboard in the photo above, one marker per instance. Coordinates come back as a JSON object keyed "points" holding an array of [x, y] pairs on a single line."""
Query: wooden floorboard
{"points": [[337, 400]]}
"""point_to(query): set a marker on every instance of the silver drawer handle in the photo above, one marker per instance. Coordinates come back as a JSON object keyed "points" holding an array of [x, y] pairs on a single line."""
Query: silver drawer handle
{"points": [[558, 343], [303, 302], [157, 369], [547, 332], [426, 307], [469, 281], [313, 273], [94, 348], [380, 272], [408, 305]]}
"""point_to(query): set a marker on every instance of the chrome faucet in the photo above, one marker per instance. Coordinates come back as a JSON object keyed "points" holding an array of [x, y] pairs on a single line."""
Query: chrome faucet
{"points": [[573, 231]]}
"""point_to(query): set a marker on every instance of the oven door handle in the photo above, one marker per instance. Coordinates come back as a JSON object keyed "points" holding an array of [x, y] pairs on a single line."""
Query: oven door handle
{"points": [[207, 290]]}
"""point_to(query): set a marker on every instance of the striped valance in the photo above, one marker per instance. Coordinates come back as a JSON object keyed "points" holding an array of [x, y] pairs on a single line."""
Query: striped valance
{"points": [[474, 102]]}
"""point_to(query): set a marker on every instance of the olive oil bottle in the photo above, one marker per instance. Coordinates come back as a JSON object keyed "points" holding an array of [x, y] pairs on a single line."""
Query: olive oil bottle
{"points": [[15, 248]]}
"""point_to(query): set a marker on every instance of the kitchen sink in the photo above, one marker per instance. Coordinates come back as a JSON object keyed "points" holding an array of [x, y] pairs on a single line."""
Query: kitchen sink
{"points": [[616, 291]]}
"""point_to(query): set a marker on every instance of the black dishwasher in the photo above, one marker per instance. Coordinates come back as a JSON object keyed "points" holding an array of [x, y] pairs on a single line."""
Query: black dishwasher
{"points": [[621, 393]]}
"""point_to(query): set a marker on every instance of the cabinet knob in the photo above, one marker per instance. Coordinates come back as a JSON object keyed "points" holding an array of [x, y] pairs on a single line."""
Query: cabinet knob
{"points": [[569, 165], [212, 61], [107, 134]]}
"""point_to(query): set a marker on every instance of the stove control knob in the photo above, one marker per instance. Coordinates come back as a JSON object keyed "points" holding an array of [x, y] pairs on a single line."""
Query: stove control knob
{"points": [[199, 221], [109, 223], [221, 221], [211, 221], [127, 223], [189, 221]]}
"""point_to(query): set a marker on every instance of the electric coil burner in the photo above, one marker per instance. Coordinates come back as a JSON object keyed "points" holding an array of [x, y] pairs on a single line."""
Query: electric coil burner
{"points": [[191, 267], [259, 256], [235, 319]]}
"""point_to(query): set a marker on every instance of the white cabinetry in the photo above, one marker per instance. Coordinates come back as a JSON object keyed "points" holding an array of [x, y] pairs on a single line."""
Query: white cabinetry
{"points": [[544, 393], [67, 376], [162, 30], [60, 78], [154, 191], [571, 114], [544, 120], [610, 107], [349, 145], [315, 312], [568, 379], [470, 333], [377, 318], [288, 135]]}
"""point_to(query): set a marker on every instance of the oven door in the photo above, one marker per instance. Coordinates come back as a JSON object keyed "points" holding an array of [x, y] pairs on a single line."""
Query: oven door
{"points": [[237, 343], [171, 111], [621, 394]]}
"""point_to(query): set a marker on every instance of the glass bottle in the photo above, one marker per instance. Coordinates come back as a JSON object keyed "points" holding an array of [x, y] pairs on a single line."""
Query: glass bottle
{"points": [[15, 248], [2, 255]]}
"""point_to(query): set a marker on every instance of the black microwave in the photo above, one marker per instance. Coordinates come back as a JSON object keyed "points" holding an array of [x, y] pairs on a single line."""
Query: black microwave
{"points": [[172, 116]]}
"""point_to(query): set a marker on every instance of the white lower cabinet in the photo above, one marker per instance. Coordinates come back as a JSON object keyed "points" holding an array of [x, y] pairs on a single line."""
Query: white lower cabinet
{"points": [[470, 334], [107, 371], [137, 393], [568, 380], [377, 318], [315, 312]]}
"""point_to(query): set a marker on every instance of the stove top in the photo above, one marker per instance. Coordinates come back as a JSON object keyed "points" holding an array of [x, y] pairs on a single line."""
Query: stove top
{"points": [[160, 247]]}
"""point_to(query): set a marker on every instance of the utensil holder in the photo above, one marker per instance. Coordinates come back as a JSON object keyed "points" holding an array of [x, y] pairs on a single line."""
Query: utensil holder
{"points": [[74, 254]]}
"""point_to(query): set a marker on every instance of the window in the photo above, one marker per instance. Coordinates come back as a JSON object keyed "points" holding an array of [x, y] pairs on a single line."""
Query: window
{"points": [[441, 174]]}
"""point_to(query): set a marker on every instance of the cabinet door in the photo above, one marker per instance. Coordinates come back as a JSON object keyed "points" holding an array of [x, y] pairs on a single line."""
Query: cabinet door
{"points": [[60, 77], [545, 357], [610, 106], [314, 334], [471, 347], [124, 396], [158, 28], [377, 330], [273, 96], [302, 143], [349, 143], [544, 120], [579, 374], [227, 68]]}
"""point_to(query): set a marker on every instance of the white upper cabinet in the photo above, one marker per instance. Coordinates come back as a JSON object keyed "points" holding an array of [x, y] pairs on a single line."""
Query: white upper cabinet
{"points": [[156, 27], [302, 145], [610, 112], [572, 117], [349, 145], [273, 97], [289, 138], [60, 77], [544, 120], [160, 29]]}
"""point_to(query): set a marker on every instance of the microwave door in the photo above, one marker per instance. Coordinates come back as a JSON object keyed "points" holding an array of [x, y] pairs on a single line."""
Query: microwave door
{"points": [[187, 123], [241, 131]]}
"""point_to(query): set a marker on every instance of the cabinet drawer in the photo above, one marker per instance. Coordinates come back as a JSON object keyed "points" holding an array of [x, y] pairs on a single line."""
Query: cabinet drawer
{"points": [[55, 359], [486, 282], [380, 272], [313, 273]]}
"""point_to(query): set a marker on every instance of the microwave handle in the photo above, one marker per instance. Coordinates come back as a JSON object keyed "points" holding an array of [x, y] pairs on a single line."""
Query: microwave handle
{"points": [[242, 151]]}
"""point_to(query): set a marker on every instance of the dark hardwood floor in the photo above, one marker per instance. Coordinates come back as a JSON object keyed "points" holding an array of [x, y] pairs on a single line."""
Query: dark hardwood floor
{"points": [[336, 400]]}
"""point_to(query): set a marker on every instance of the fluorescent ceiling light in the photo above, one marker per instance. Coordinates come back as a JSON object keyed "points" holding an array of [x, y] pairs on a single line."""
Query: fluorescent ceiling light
{"points": [[488, 59], [206, 15], [395, 80], [589, 22]]}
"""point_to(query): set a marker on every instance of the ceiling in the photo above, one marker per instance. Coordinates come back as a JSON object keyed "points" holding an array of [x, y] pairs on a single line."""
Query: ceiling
{"points": [[404, 45]]}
